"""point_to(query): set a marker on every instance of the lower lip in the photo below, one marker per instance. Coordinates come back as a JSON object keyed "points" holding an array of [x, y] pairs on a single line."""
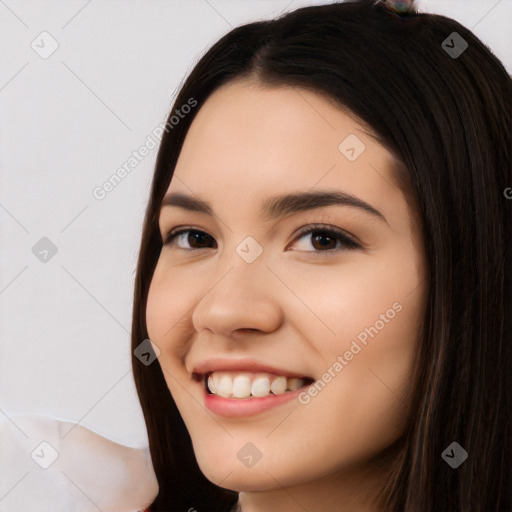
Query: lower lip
{"points": [[236, 407]]}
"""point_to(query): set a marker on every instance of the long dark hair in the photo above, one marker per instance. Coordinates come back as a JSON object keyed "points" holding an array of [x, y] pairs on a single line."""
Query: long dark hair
{"points": [[447, 117]]}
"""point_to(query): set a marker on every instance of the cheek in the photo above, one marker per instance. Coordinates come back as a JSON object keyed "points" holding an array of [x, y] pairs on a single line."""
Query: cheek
{"points": [[336, 304], [167, 303], [166, 317], [370, 315], [156, 307]]}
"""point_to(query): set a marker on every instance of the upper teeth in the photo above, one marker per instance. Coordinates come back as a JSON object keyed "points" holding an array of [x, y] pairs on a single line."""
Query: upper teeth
{"points": [[243, 385]]}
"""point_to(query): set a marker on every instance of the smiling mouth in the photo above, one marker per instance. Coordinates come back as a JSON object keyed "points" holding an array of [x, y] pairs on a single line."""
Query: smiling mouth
{"points": [[242, 384]]}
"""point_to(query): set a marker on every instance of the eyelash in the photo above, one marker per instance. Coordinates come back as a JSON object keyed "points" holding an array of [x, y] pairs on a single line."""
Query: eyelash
{"points": [[334, 233]]}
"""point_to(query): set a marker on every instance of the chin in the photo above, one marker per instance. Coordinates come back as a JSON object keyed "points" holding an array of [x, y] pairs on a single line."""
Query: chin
{"points": [[263, 476]]}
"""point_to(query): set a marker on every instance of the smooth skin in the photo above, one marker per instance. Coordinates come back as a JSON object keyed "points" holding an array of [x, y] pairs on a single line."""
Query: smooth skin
{"points": [[298, 306]]}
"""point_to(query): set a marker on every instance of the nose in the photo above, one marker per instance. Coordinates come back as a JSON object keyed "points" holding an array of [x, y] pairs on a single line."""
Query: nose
{"points": [[244, 296]]}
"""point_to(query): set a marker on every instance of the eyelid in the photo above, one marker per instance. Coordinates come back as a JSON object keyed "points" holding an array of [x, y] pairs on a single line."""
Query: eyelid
{"points": [[176, 231], [349, 241]]}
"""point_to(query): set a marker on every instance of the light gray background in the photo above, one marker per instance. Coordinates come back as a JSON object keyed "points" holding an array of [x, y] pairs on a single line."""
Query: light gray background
{"points": [[66, 124]]}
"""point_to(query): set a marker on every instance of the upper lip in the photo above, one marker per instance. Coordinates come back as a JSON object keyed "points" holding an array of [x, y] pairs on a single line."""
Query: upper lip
{"points": [[242, 364]]}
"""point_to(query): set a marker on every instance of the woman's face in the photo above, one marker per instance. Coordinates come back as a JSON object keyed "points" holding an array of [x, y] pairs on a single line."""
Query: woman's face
{"points": [[257, 284]]}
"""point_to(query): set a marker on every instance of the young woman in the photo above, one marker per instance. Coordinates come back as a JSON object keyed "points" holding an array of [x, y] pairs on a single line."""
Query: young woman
{"points": [[325, 271]]}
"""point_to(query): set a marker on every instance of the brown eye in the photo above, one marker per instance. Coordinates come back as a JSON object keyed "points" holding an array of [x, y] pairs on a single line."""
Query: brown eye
{"points": [[195, 238], [322, 239], [327, 239]]}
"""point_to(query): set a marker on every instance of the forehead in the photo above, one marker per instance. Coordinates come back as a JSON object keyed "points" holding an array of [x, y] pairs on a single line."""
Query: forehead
{"points": [[248, 141]]}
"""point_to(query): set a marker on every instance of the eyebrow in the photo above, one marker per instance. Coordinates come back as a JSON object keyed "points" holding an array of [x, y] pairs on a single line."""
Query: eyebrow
{"points": [[281, 206]]}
